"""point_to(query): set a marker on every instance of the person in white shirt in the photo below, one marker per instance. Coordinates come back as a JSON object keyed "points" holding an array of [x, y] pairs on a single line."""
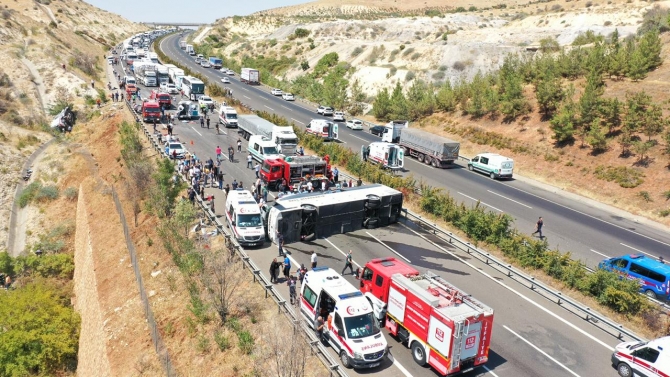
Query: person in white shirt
{"points": [[309, 186], [313, 259], [323, 185]]}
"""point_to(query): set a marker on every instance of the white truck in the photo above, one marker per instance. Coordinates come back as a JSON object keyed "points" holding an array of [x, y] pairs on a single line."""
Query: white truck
{"points": [[350, 326], [227, 116], [429, 148], [174, 72], [393, 129], [190, 50], [141, 53], [260, 148], [182, 44], [162, 74], [389, 155], [146, 73], [250, 76], [153, 57], [244, 218], [284, 137]]}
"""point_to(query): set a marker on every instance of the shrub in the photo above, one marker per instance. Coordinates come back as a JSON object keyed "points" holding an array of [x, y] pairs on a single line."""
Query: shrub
{"points": [[357, 51], [46, 193], [222, 341], [439, 75], [624, 176], [415, 56], [301, 33], [245, 342], [408, 51], [410, 76], [28, 193], [459, 66]]}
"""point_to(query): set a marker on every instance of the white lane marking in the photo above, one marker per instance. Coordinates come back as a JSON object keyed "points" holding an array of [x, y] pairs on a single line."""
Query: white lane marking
{"points": [[542, 352], [246, 96], [297, 121], [341, 252], [511, 200], [359, 138], [402, 368], [245, 89], [489, 371], [514, 291], [196, 131], [477, 200], [389, 247], [599, 253], [638, 250], [271, 109], [287, 108], [586, 214]]}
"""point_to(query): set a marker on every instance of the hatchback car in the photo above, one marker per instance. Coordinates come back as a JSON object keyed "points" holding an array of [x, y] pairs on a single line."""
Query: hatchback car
{"points": [[288, 97], [230, 72], [319, 110], [172, 89], [338, 116], [355, 124], [377, 130], [277, 92], [327, 111], [205, 64], [225, 80]]}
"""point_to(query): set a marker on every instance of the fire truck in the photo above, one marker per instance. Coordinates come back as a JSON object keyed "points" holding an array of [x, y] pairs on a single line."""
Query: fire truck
{"points": [[151, 111], [294, 169], [442, 325], [350, 326], [162, 98]]}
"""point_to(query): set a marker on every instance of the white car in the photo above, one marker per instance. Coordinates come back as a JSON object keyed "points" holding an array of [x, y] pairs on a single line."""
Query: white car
{"points": [[355, 124], [327, 111], [230, 72], [172, 89], [276, 92], [319, 110], [163, 87], [338, 116], [175, 149], [288, 97], [205, 64], [207, 101], [225, 80]]}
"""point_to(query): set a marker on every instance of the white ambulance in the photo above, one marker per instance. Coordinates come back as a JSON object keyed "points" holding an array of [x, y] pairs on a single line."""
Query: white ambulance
{"points": [[244, 218], [643, 359], [350, 325], [389, 155], [492, 164]]}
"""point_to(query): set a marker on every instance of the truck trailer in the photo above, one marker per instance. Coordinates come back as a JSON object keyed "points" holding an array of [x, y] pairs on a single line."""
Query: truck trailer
{"points": [[283, 136], [429, 148], [443, 326], [303, 217], [250, 76]]}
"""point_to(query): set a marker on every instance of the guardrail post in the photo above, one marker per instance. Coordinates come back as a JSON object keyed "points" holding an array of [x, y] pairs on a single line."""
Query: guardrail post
{"points": [[255, 272], [267, 288]]}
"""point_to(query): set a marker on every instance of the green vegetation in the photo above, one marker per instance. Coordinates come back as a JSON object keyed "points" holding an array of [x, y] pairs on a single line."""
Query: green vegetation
{"points": [[626, 177]]}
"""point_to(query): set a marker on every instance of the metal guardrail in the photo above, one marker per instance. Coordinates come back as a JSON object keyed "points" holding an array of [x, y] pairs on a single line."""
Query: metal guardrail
{"points": [[318, 349]]}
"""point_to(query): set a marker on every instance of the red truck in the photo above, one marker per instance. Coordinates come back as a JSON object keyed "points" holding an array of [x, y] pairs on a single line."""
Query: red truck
{"points": [[151, 110], [162, 98], [294, 169], [442, 325]]}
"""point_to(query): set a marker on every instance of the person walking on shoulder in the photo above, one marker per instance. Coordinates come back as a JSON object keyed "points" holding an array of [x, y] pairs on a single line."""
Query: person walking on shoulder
{"points": [[274, 270], [313, 259], [348, 263], [538, 227]]}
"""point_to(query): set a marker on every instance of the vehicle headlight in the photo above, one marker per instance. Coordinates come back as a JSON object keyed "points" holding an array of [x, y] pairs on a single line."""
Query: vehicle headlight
{"points": [[358, 356]]}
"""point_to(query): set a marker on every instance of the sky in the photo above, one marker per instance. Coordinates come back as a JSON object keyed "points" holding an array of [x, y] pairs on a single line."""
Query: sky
{"points": [[193, 11]]}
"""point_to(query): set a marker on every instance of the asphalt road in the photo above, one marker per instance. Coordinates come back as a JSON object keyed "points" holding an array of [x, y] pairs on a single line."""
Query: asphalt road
{"points": [[591, 233], [531, 336]]}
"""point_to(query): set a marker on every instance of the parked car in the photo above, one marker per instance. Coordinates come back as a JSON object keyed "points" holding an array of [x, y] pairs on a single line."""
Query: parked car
{"points": [[172, 147], [355, 124], [288, 97], [207, 101], [230, 72], [163, 87], [276, 92], [338, 116], [377, 130], [197, 60], [223, 70], [327, 111], [319, 110], [172, 89], [225, 80]]}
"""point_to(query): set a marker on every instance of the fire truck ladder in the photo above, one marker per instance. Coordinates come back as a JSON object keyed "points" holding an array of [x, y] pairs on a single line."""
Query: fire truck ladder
{"points": [[461, 329], [456, 293]]}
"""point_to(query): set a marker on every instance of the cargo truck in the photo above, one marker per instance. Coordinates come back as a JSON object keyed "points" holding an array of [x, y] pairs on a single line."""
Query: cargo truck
{"points": [[429, 148], [444, 327], [182, 45], [294, 169], [145, 72], [389, 155], [261, 148], [190, 50], [174, 72], [250, 76], [393, 129], [215, 62], [162, 74], [284, 137]]}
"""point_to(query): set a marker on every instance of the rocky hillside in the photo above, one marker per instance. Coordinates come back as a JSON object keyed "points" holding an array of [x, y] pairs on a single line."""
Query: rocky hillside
{"points": [[36, 39]]}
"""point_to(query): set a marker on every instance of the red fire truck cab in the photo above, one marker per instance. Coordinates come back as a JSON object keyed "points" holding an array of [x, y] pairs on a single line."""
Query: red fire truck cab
{"points": [[162, 98], [294, 169], [442, 325], [151, 111]]}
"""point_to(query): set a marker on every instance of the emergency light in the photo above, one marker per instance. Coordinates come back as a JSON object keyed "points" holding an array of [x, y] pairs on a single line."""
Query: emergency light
{"points": [[350, 295]]}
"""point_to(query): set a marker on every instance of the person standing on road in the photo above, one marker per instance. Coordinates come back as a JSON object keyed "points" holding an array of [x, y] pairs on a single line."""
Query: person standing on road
{"points": [[318, 328], [280, 243], [264, 192], [348, 263], [313, 259], [239, 145], [287, 267], [218, 153], [231, 153], [154, 124], [257, 168], [274, 271], [92, 84], [235, 184], [208, 123], [202, 121], [336, 175], [249, 161], [538, 227], [220, 179]]}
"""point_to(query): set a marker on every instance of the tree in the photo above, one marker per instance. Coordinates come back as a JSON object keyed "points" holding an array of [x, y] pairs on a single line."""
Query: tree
{"points": [[625, 140], [636, 108], [549, 92], [335, 88], [184, 215], [420, 100], [596, 137], [222, 277], [636, 67], [641, 148], [282, 358], [382, 105], [549, 44], [588, 102], [477, 88], [446, 98], [40, 331], [166, 190], [563, 123], [399, 107], [649, 47], [356, 103], [654, 122], [304, 65], [610, 112], [615, 61], [512, 101], [327, 61]]}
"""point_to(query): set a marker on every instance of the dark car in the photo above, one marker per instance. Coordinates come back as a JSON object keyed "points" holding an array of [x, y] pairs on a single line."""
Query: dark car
{"points": [[377, 130]]}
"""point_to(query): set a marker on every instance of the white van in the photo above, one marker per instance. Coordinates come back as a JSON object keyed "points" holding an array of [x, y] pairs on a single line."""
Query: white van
{"points": [[244, 218], [129, 80], [643, 359], [495, 165]]}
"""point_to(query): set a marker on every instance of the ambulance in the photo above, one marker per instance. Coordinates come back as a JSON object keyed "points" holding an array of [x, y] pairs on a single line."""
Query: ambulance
{"points": [[643, 359], [244, 218], [350, 325]]}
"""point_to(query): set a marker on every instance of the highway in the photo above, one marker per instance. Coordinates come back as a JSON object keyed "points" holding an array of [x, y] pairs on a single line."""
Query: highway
{"points": [[531, 336], [589, 232]]}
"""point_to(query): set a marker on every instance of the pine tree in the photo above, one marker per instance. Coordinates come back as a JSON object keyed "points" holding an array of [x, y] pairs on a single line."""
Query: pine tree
{"points": [[512, 101], [625, 140], [420, 100], [548, 92], [654, 123], [615, 59], [588, 102], [356, 99], [596, 137], [563, 123], [382, 105], [399, 108], [477, 88], [446, 98], [636, 67], [610, 111], [636, 107], [650, 49]]}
